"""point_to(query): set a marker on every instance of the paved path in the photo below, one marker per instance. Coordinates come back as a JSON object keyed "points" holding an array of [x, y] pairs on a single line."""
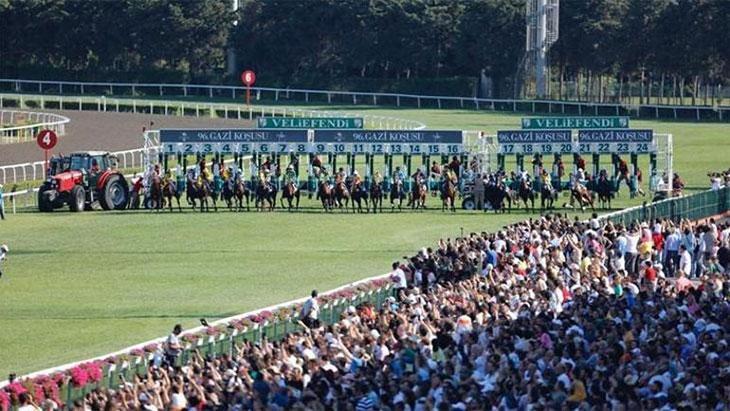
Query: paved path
{"points": [[89, 130]]}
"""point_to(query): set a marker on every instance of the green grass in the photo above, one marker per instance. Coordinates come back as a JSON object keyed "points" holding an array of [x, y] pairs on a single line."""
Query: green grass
{"points": [[82, 285]]}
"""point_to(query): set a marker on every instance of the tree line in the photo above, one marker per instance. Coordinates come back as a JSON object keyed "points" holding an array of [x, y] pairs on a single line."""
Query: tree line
{"points": [[607, 49]]}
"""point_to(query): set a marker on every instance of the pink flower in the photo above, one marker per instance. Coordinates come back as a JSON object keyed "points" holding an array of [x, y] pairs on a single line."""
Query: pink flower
{"points": [[212, 331], [79, 376], [4, 401], [16, 388], [266, 314], [150, 347], [94, 372]]}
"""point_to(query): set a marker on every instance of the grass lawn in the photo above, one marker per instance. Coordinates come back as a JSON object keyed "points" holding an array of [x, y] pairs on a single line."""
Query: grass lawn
{"points": [[82, 285]]}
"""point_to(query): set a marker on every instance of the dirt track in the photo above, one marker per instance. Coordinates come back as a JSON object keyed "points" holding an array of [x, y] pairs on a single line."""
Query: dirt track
{"points": [[90, 130]]}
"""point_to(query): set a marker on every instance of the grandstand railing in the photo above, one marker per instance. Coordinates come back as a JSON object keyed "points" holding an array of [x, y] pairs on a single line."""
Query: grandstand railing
{"points": [[10, 132], [693, 207], [721, 113]]}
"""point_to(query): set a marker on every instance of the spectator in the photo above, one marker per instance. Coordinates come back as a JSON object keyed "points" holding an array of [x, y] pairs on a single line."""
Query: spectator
{"points": [[685, 261], [310, 311], [173, 348]]}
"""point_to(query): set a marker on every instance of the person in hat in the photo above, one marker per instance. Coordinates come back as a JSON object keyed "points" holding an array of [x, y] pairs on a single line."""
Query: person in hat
{"points": [[3, 257]]}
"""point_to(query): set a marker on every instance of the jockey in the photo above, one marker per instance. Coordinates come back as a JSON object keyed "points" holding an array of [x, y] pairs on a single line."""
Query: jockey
{"points": [[546, 180], [580, 175], [356, 181], [398, 175], [377, 178], [267, 164], [435, 170], [340, 176], [623, 169], [581, 163], [455, 164], [291, 177]]}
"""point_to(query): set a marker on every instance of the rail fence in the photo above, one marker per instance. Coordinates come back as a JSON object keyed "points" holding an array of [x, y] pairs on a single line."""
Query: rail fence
{"points": [[12, 132], [290, 95]]}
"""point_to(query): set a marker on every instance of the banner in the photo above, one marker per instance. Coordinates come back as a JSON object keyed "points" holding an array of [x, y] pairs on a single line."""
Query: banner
{"points": [[616, 141], [429, 142], [534, 141], [544, 123], [310, 122], [242, 141], [240, 135]]}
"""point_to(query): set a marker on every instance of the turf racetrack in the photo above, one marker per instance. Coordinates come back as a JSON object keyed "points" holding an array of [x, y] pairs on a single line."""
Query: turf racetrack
{"points": [[82, 285]]}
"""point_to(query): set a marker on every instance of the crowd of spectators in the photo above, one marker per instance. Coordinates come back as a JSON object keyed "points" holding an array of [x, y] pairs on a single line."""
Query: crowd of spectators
{"points": [[545, 314]]}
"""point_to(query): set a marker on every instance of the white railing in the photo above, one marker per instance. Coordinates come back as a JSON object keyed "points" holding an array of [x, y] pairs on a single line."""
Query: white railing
{"points": [[721, 113], [11, 132]]}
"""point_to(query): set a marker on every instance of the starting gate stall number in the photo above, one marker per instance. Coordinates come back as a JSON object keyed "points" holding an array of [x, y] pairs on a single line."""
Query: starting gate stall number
{"points": [[616, 141], [243, 141], [396, 142], [530, 142]]}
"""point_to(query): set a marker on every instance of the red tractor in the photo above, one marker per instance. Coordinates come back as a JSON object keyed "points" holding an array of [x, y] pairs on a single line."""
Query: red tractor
{"points": [[82, 179]]}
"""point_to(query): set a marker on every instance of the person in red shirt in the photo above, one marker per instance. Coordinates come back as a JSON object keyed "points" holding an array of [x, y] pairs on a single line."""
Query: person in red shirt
{"points": [[658, 239], [650, 275]]}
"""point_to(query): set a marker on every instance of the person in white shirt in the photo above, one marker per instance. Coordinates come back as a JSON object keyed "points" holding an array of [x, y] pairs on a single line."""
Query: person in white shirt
{"points": [[399, 277], [685, 261], [310, 311]]}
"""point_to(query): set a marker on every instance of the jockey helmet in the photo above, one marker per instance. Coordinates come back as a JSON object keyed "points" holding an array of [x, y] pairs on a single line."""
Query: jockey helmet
{"points": [[355, 173], [4, 248]]}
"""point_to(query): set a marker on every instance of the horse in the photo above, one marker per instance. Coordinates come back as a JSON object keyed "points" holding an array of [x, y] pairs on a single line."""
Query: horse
{"points": [[326, 194], [583, 196], [526, 194], [265, 192], [342, 193], [290, 193], [170, 191], [604, 192], [241, 191], [376, 196], [234, 190], [360, 194], [397, 193], [448, 195], [418, 195], [548, 195], [202, 191], [495, 195], [155, 199]]}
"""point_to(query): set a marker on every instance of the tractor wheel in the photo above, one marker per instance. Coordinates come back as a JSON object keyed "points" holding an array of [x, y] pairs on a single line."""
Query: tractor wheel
{"points": [[115, 194], [468, 203], [77, 200], [44, 205]]}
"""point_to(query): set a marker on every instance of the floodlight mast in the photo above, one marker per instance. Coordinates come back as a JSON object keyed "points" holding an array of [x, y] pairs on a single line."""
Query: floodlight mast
{"points": [[542, 32]]}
